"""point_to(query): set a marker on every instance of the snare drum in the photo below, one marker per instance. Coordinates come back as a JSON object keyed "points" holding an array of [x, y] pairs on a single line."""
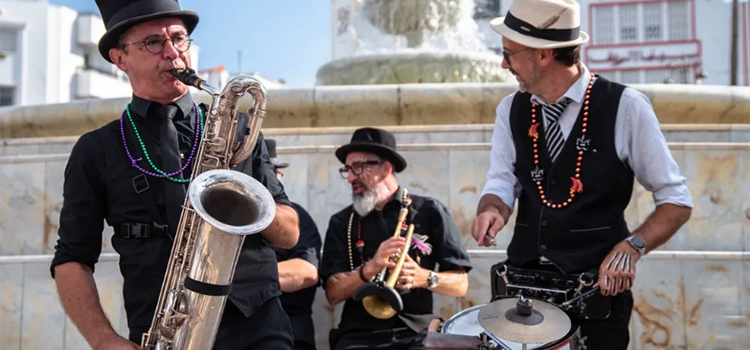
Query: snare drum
{"points": [[466, 322]]}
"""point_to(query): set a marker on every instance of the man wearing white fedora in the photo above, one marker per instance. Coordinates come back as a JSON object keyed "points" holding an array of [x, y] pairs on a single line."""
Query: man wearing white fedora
{"points": [[568, 146]]}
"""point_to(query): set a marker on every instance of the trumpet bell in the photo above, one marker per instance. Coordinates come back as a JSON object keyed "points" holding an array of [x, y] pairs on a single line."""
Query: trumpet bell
{"points": [[380, 300]]}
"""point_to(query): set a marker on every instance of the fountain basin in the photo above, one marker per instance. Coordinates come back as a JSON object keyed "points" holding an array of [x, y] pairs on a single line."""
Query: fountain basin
{"points": [[415, 19], [408, 66]]}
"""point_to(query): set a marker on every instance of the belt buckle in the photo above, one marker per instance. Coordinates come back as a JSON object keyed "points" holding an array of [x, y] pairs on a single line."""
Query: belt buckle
{"points": [[545, 262]]}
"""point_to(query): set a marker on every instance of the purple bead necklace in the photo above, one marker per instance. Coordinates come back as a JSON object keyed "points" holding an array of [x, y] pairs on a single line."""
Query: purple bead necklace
{"points": [[159, 172]]}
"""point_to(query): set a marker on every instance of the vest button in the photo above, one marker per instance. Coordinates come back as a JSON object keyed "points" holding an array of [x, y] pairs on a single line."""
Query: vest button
{"points": [[544, 222], [552, 181], [543, 247]]}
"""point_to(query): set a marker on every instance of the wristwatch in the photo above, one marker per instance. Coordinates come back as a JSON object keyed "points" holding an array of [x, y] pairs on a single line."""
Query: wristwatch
{"points": [[637, 243], [432, 280]]}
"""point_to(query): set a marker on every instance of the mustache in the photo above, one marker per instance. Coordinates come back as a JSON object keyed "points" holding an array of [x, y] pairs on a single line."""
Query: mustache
{"points": [[358, 182]]}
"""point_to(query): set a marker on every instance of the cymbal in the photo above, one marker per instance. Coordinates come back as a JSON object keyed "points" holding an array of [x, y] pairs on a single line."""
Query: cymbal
{"points": [[524, 322]]}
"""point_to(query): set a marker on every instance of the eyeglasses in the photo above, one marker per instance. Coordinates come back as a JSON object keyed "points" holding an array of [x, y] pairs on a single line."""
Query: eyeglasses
{"points": [[507, 54], [155, 44], [357, 168]]}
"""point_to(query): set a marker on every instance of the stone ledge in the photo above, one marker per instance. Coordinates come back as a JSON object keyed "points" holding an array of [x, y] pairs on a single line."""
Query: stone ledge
{"points": [[473, 253], [382, 105]]}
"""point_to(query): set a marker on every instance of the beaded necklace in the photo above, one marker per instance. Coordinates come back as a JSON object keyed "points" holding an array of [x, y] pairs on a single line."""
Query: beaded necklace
{"points": [[405, 202], [581, 145], [159, 172]]}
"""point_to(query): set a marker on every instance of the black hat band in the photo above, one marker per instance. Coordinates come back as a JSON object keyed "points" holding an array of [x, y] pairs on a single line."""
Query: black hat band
{"points": [[143, 7], [521, 26]]}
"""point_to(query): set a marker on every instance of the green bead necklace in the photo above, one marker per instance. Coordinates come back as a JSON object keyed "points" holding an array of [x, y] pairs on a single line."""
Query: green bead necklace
{"points": [[162, 173]]}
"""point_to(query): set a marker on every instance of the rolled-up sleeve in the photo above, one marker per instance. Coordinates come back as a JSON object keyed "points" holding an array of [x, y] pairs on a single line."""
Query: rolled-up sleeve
{"points": [[309, 244], [264, 171], [451, 253], [501, 180], [82, 213], [649, 155], [335, 257]]}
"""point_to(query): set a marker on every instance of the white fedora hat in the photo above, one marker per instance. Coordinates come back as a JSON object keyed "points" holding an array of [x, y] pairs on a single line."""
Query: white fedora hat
{"points": [[542, 24]]}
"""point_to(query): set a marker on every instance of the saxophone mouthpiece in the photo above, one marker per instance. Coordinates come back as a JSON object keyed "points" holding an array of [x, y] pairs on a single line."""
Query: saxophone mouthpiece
{"points": [[187, 76]]}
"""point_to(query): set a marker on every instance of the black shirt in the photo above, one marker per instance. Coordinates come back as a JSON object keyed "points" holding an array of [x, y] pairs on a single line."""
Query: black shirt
{"points": [[431, 218], [98, 187], [298, 305], [308, 249]]}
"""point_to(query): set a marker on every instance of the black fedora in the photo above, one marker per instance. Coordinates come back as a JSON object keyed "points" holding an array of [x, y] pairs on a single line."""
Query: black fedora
{"points": [[271, 146], [373, 140], [121, 15]]}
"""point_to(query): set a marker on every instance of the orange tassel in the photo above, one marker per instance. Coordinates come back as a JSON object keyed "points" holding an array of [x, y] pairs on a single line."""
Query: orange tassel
{"points": [[534, 131], [577, 186]]}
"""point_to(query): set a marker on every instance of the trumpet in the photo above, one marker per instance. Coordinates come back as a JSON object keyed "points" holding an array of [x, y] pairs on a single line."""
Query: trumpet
{"points": [[379, 297]]}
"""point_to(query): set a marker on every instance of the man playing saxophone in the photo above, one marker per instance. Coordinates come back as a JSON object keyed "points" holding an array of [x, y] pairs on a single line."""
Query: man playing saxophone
{"points": [[133, 172], [360, 238]]}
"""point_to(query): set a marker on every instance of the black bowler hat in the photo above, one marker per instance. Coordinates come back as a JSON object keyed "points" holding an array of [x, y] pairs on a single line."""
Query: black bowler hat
{"points": [[121, 15], [271, 145], [372, 140]]}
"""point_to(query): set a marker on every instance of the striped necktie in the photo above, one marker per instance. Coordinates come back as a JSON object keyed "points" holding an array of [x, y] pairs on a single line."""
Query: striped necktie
{"points": [[553, 133]]}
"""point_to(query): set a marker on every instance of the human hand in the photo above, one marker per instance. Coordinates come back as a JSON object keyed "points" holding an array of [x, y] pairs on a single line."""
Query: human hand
{"points": [[486, 226], [116, 342], [382, 257], [617, 271], [412, 275]]}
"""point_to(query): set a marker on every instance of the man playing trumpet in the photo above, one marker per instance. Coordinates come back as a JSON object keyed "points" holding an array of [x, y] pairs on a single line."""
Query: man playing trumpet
{"points": [[360, 240]]}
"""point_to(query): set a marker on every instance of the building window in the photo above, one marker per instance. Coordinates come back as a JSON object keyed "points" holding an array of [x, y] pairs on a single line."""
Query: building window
{"points": [[677, 20], [7, 95], [604, 17], [628, 23], [630, 76], [484, 9], [652, 21], [8, 40]]}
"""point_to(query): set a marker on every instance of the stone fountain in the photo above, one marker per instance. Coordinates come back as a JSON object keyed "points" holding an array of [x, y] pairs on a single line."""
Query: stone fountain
{"points": [[428, 41]]}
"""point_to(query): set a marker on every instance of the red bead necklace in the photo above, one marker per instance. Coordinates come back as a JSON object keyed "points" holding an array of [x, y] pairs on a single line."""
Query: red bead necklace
{"points": [[582, 144]]}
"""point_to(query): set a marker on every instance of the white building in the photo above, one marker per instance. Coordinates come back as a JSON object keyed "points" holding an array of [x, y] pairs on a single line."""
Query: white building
{"points": [[48, 54], [218, 77], [632, 41]]}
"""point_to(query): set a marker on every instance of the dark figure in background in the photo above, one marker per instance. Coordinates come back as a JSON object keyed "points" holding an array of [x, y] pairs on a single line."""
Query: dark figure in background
{"points": [[106, 177], [298, 269], [360, 239], [568, 146]]}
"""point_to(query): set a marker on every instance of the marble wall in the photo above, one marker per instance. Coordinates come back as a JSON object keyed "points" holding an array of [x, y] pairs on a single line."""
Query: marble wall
{"points": [[408, 104], [693, 293]]}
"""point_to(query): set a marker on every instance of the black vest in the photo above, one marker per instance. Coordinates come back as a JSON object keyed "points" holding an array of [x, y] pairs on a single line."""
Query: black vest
{"points": [[143, 261], [578, 237]]}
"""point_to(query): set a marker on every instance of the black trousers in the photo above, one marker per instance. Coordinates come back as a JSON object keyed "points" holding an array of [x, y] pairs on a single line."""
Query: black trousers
{"points": [[611, 333], [267, 328], [304, 331], [396, 339]]}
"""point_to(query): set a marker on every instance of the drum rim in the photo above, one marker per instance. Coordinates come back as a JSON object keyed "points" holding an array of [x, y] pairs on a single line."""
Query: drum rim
{"points": [[457, 314]]}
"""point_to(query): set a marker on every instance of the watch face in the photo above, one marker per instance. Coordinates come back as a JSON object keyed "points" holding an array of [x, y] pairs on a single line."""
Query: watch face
{"points": [[639, 242]]}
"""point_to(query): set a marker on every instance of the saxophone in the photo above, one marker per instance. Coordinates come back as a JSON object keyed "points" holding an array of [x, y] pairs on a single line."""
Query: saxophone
{"points": [[221, 207]]}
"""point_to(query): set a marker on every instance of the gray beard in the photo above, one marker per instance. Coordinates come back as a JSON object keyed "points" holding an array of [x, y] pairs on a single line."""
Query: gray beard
{"points": [[365, 203]]}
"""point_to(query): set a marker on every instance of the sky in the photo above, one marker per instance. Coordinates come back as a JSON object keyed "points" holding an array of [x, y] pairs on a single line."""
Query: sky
{"points": [[278, 39]]}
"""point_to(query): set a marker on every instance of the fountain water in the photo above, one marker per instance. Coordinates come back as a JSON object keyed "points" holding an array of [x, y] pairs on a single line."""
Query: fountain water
{"points": [[426, 41]]}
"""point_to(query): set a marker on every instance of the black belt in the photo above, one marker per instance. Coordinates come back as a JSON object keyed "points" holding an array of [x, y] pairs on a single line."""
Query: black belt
{"points": [[138, 230]]}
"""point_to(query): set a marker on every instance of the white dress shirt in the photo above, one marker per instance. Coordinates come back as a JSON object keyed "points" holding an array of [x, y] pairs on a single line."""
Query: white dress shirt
{"points": [[638, 140]]}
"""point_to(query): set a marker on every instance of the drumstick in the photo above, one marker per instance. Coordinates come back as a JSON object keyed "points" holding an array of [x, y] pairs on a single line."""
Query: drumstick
{"points": [[581, 296], [489, 241]]}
